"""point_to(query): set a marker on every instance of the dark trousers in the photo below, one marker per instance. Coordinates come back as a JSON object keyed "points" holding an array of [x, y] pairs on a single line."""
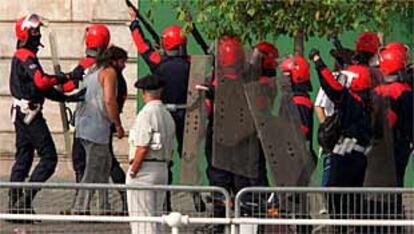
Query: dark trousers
{"points": [[31, 137], [401, 156], [390, 206], [344, 171], [179, 120], [228, 180], [79, 163]]}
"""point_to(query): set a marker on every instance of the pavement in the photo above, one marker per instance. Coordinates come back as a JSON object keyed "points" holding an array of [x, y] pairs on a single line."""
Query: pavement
{"points": [[54, 201]]}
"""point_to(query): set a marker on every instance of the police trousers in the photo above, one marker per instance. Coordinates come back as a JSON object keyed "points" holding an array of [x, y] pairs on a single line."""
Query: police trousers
{"points": [[31, 137], [179, 121], [147, 203], [344, 171], [228, 180]]}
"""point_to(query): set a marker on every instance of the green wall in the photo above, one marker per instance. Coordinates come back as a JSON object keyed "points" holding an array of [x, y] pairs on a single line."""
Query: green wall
{"points": [[164, 15]]}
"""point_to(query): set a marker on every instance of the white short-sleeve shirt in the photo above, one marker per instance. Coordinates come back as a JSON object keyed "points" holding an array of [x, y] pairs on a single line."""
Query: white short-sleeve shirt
{"points": [[153, 127], [322, 100]]}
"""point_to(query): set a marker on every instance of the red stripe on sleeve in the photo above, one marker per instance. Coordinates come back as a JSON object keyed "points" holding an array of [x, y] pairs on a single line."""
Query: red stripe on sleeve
{"points": [[155, 57], [69, 86], [392, 118], [330, 79], [304, 129], [301, 100], [140, 42], [43, 82], [85, 63]]}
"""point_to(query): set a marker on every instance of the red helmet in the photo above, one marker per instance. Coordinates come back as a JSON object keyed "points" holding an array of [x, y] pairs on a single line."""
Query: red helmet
{"points": [[270, 54], [368, 42], [298, 68], [400, 47], [172, 37], [24, 24], [97, 36], [391, 60], [230, 52], [359, 77]]}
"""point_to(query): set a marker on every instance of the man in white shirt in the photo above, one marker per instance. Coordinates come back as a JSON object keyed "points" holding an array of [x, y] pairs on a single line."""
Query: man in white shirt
{"points": [[324, 107], [151, 148]]}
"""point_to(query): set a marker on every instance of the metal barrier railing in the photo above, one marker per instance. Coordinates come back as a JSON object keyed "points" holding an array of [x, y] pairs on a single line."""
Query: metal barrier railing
{"points": [[51, 203], [324, 210], [257, 210]]}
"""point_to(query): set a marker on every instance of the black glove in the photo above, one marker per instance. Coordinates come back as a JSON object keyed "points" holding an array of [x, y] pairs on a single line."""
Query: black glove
{"points": [[77, 97], [77, 73], [343, 56], [134, 24], [314, 52], [62, 77], [362, 58]]}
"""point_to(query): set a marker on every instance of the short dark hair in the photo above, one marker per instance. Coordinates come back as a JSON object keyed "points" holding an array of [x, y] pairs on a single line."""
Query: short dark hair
{"points": [[113, 53]]}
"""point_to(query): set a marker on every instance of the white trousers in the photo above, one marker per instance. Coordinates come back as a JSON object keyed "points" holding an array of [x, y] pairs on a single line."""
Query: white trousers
{"points": [[147, 203]]}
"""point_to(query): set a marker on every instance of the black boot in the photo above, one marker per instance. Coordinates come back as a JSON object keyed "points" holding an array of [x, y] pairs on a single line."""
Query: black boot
{"points": [[14, 195], [23, 206]]}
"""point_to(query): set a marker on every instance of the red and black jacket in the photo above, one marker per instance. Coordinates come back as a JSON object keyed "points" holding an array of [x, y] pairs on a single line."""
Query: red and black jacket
{"points": [[28, 80], [78, 72], [173, 70], [399, 114], [352, 111], [305, 108]]}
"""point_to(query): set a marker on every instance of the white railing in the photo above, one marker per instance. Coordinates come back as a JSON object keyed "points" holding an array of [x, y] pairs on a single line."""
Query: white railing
{"points": [[386, 197]]}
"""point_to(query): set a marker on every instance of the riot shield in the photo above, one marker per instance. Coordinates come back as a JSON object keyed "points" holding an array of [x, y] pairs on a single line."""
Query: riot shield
{"points": [[287, 156], [284, 146], [381, 169], [235, 143], [381, 163], [194, 121]]}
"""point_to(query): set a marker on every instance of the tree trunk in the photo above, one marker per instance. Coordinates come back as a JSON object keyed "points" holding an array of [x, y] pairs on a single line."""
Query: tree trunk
{"points": [[299, 43]]}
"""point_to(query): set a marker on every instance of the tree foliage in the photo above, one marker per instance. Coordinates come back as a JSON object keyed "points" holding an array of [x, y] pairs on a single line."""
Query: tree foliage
{"points": [[258, 19]]}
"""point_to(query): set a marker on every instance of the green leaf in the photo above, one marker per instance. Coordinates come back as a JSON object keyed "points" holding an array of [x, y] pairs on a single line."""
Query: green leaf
{"points": [[251, 12]]}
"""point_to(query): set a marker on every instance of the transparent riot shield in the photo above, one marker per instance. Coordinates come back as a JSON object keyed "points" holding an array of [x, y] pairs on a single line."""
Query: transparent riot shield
{"points": [[195, 120], [381, 169], [284, 146], [277, 121], [381, 163], [235, 143]]}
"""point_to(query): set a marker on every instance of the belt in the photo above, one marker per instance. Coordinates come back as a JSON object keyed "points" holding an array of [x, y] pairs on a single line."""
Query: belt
{"points": [[150, 160], [347, 145], [174, 107], [26, 107], [154, 160], [25, 104]]}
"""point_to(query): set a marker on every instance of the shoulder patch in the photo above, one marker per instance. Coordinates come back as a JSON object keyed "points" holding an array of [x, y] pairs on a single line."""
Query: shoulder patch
{"points": [[33, 66]]}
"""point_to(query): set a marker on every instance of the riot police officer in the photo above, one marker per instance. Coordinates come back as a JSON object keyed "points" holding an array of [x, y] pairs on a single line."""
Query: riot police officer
{"points": [[29, 86], [346, 161]]}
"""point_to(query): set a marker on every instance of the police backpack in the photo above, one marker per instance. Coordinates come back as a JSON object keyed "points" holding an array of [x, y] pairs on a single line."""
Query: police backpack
{"points": [[329, 132]]}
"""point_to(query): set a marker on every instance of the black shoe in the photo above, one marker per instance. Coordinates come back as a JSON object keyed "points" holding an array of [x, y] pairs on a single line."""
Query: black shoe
{"points": [[210, 229], [19, 221], [15, 210], [23, 206], [199, 204]]}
